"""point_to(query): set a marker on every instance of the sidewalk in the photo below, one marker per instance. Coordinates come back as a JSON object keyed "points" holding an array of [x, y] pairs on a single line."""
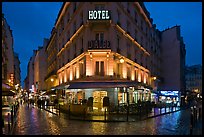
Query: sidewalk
{"points": [[8, 120], [197, 129]]}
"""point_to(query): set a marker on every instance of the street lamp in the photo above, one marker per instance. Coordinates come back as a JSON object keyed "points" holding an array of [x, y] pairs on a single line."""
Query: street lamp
{"points": [[122, 60]]}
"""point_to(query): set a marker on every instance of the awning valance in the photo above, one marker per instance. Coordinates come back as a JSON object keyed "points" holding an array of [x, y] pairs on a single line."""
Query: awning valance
{"points": [[8, 93], [87, 85]]}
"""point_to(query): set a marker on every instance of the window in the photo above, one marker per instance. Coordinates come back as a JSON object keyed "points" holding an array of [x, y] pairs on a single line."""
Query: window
{"points": [[82, 21], [141, 25], [75, 6], [81, 67], [68, 16], [128, 27], [128, 73], [128, 51], [74, 27], [62, 23], [75, 49], [141, 58], [141, 43], [68, 55], [99, 7], [100, 37], [118, 43], [99, 69], [136, 17], [118, 13], [74, 72], [63, 58], [82, 45], [128, 7], [68, 35], [135, 35]]}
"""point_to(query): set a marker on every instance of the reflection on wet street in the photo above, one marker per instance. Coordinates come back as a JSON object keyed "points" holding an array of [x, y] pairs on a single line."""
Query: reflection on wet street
{"points": [[34, 121]]}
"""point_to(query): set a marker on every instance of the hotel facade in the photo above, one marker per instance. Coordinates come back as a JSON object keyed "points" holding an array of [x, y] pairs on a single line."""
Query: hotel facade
{"points": [[112, 49]]}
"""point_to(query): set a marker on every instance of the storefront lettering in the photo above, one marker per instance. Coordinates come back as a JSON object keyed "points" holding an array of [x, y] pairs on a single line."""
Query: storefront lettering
{"points": [[96, 44], [99, 15], [169, 93]]}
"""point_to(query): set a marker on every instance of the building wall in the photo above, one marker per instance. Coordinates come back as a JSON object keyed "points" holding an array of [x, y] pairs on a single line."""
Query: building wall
{"points": [[71, 45], [51, 51], [43, 65], [40, 67], [194, 78], [138, 50], [7, 42], [31, 70], [37, 70], [17, 70], [172, 65]]}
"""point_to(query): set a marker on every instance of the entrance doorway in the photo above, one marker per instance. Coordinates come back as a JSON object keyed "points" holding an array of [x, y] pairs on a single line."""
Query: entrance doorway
{"points": [[98, 100]]}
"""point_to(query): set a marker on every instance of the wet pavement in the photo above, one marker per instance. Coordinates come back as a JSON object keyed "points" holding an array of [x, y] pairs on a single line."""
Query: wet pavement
{"points": [[34, 121]]}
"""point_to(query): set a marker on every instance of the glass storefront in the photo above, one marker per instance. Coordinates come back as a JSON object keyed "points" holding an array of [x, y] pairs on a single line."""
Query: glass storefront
{"points": [[98, 99]]}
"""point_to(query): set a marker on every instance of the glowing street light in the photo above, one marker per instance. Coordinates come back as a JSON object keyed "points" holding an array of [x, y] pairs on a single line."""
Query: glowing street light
{"points": [[52, 79], [122, 60], [154, 78]]}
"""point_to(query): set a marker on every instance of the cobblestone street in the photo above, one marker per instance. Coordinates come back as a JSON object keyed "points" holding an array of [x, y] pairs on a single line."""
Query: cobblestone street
{"points": [[34, 121]]}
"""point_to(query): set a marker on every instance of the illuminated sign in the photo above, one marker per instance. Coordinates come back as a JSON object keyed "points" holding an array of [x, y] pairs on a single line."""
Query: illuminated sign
{"points": [[96, 44], [169, 93], [99, 15]]}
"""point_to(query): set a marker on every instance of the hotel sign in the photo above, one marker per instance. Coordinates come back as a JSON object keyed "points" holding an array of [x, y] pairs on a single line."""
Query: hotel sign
{"points": [[99, 15], [96, 44]]}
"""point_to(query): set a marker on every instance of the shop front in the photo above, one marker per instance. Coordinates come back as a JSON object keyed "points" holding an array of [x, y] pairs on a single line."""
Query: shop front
{"points": [[119, 93], [169, 97]]}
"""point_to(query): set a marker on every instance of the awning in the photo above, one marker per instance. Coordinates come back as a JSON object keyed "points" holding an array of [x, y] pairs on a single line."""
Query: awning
{"points": [[87, 85], [51, 92], [8, 93]]}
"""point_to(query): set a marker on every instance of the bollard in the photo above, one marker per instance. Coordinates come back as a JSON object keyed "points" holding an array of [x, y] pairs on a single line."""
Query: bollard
{"points": [[140, 111], [84, 113], [105, 115], [196, 116], [8, 123], [191, 123], [12, 116], [59, 109], [199, 112], [69, 111], [127, 112]]}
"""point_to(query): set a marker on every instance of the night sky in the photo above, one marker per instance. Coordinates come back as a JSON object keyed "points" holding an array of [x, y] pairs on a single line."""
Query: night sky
{"points": [[33, 21]]}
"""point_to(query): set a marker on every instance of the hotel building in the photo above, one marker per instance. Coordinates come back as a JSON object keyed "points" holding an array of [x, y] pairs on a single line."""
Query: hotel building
{"points": [[99, 49]]}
